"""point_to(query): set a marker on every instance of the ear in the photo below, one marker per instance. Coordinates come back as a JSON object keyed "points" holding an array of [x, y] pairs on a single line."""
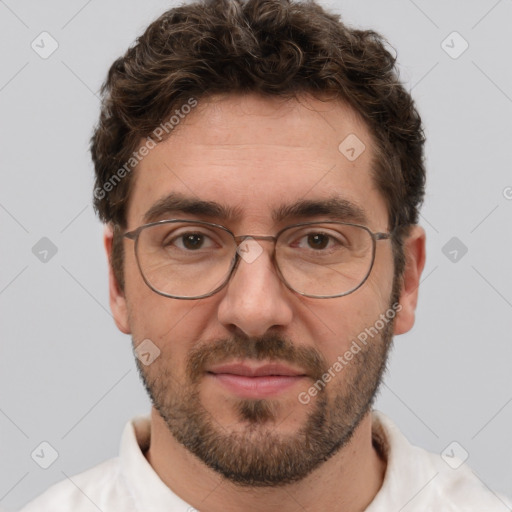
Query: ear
{"points": [[116, 295], [414, 249]]}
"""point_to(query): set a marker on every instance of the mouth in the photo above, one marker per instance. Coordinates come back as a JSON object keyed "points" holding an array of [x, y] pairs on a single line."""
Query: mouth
{"points": [[252, 381]]}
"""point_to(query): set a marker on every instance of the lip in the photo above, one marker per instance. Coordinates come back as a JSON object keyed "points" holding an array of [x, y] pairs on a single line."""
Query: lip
{"points": [[247, 370], [248, 381]]}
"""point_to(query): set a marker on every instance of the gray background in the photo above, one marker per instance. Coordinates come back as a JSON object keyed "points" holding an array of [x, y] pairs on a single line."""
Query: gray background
{"points": [[67, 376]]}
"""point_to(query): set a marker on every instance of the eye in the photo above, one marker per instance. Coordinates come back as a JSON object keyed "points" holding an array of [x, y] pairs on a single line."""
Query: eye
{"points": [[193, 240], [320, 241], [189, 241]]}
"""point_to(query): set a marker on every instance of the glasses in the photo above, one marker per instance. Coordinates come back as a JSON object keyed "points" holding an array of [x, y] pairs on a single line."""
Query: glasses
{"points": [[190, 259]]}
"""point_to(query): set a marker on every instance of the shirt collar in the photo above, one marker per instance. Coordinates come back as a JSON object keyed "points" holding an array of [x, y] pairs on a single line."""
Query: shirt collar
{"points": [[408, 471], [151, 494]]}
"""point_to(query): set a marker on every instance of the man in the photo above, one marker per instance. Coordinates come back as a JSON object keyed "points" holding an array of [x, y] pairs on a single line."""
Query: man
{"points": [[259, 169]]}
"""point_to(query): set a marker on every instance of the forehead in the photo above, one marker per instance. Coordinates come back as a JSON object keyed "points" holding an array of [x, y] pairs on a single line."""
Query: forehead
{"points": [[256, 158]]}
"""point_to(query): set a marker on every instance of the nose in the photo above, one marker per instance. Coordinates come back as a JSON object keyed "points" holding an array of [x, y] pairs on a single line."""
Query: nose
{"points": [[255, 299]]}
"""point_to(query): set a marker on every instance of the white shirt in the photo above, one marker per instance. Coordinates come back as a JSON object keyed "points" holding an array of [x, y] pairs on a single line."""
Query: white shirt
{"points": [[415, 481]]}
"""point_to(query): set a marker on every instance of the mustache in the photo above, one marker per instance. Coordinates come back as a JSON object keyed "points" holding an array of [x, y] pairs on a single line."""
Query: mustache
{"points": [[271, 346]]}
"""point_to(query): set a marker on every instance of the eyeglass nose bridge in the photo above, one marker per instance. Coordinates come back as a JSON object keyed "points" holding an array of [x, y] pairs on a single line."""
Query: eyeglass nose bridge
{"points": [[240, 239], [239, 255]]}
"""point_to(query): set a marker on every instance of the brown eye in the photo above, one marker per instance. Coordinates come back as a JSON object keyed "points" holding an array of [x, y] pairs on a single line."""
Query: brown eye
{"points": [[192, 241], [318, 241]]}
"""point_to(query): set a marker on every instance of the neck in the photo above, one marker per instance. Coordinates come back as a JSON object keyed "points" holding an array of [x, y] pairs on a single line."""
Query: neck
{"points": [[348, 481]]}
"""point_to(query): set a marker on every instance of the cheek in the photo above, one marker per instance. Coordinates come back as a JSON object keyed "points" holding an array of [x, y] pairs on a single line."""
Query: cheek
{"points": [[174, 326], [154, 317], [336, 323], [149, 313]]}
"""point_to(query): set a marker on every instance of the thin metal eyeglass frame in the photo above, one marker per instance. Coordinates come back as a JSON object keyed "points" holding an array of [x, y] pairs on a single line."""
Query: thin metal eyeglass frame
{"points": [[134, 235]]}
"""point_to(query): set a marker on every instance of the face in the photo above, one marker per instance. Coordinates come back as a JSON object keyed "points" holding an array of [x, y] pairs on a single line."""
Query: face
{"points": [[255, 380]]}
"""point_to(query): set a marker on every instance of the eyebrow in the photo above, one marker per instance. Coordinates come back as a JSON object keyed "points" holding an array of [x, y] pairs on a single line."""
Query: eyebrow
{"points": [[334, 207], [179, 203]]}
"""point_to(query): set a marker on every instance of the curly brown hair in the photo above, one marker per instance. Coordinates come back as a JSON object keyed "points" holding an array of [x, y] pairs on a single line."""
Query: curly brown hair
{"points": [[270, 47]]}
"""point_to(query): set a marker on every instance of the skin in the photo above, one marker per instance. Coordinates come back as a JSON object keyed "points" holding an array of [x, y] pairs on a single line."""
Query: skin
{"points": [[255, 154]]}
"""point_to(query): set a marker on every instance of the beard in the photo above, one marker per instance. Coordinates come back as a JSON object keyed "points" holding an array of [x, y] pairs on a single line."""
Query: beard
{"points": [[256, 453]]}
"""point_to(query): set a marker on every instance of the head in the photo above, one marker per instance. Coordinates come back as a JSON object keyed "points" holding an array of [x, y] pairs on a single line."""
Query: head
{"points": [[249, 115]]}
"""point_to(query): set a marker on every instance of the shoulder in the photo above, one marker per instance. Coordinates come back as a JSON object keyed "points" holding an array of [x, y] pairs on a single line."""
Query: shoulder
{"points": [[100, 487], [103, 487], [458, 486], [418, 480]]}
